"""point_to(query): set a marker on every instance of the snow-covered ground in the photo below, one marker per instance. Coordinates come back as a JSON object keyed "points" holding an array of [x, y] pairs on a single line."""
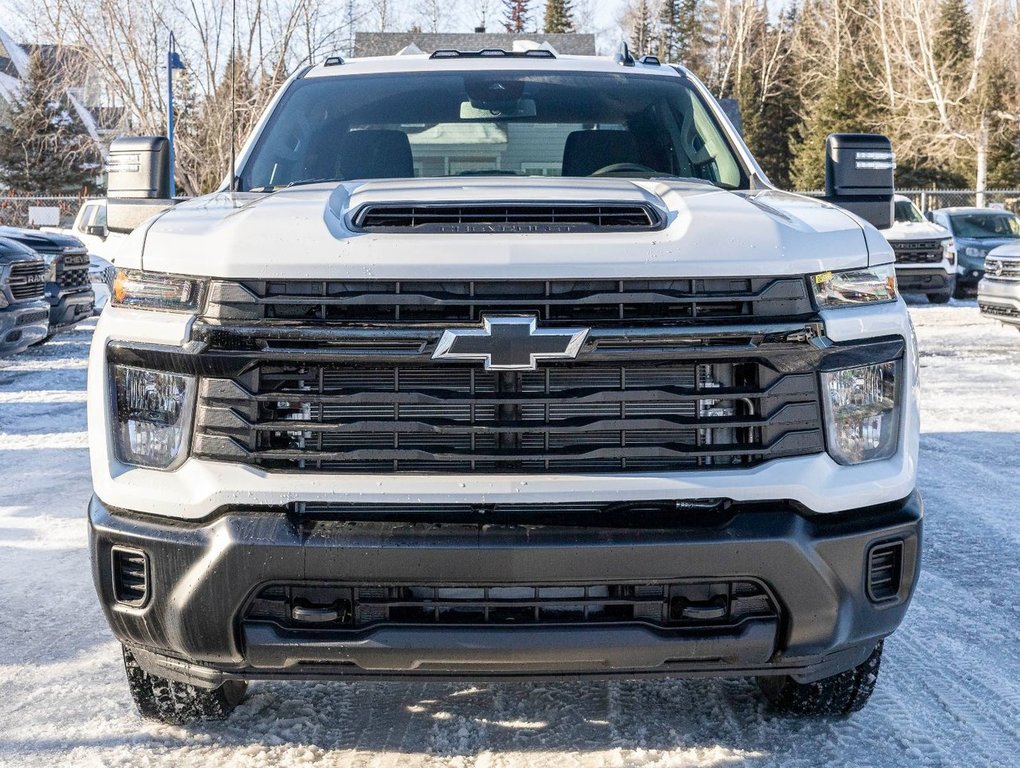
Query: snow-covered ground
{"points": [[948, 694]]}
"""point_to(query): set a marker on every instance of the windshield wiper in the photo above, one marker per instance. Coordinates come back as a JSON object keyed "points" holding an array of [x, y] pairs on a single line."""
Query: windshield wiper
{"points": [[299, 183]]}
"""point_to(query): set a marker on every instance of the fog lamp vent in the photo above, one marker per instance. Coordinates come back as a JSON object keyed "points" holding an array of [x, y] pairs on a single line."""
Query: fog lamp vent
{"points": [[885, 570], [130, 576]]}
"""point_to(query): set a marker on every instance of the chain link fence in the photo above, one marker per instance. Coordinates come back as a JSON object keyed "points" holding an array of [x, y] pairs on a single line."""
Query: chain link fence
{"points": [[20, 211]]}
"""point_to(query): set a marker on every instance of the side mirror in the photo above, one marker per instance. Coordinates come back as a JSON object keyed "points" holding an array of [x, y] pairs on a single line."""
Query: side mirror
{"points": [[138, 186], [96, 230], [859, 175], [930, 216]]}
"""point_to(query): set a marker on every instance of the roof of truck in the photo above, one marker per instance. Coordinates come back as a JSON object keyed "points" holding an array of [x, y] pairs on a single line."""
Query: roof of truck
{"points": [[460, 61], [972, 209]]}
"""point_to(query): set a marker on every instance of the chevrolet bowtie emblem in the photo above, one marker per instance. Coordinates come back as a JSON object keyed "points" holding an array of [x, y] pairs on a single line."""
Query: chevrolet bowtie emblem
{"points": [[510, 343]]}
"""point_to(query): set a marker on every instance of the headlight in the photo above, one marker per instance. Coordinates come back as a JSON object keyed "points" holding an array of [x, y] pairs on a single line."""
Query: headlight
{"points": [[156, 290], [152, 416], [51, 268], [949, 251], [974, 253], [862, 412], [855, 286]]}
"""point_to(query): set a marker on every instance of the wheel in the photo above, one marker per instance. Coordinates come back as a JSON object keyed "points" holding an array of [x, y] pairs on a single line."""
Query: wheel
{"points": [[945, 295], [959, 291], [173, 703], [840, 694]]}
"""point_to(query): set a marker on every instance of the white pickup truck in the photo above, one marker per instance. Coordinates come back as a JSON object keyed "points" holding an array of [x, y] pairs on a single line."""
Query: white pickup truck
{"points": [[925, 253], [502, 365]]}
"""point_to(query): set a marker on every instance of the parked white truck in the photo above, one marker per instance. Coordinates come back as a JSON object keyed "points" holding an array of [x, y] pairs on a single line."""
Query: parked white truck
{"points": [[925, 253], [496, 365]]}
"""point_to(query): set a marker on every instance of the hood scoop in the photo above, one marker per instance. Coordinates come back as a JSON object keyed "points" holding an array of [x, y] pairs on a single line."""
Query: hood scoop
{"points": [[516, 217]]}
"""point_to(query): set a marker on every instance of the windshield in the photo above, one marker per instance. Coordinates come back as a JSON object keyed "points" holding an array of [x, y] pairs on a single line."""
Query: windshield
{"points": [[906, 211], [985, 226], [435, 124]]}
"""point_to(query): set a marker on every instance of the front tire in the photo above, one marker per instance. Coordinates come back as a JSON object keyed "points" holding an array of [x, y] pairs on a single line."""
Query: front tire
{"points": [[841, 694], [173, 703]]}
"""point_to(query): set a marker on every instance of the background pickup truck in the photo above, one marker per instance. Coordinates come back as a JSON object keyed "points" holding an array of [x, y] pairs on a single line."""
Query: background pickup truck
{"points": [[68, 281]]}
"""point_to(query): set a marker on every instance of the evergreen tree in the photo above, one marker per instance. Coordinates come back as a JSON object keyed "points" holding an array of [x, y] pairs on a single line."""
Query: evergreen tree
{"points": [[44, 146], [847, 101], [516, 15], [682, 33], [770, 110], [1004, 135], [953, 31], [640, 27], [559, 16], [845, 106]]}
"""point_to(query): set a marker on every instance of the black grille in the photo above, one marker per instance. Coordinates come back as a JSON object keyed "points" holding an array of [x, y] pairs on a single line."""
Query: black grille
{"points": [[579, 417], [29, 318], [602, 302], [519, 217], [71, 274], [998, 310], [130, 576], [360, 606], [885, 567], [917, 251], [27, 280]]}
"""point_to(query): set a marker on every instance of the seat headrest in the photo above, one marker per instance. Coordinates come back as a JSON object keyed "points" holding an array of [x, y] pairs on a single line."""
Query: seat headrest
{"points": [[376, 154], [587, 151]]}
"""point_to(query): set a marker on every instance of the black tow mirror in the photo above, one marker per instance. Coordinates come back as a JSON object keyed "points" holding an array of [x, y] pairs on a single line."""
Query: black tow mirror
{"points": [[859, 175], [96, 230], [138, 185]]}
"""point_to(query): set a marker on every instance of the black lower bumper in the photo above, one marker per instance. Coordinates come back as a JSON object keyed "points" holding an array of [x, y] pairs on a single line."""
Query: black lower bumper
{"points": [[193, 624], [69, 309], [23, 325], [923, 280]]}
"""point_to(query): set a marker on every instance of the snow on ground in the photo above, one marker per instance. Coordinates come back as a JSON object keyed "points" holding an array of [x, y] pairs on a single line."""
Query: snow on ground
{"points": [[948, 693]]}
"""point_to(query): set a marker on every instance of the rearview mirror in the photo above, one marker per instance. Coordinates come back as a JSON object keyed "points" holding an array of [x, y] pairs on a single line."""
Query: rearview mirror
{"points": [[96, 230], [138, 186], [494, 111], [859, 175]]}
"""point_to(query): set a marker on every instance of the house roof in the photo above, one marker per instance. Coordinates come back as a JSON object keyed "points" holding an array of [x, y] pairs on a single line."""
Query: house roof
{"points": [[390, 43]]}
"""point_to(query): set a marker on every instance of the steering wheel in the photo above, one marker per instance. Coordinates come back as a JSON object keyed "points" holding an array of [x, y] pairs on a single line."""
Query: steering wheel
{"points": [[609, 170]]}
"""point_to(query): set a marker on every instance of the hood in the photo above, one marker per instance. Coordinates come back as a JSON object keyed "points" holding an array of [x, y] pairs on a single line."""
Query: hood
{"points": [[12, 250], [1008, 251], [902, 231], [305, 232], [44, 242], [984, 244]]}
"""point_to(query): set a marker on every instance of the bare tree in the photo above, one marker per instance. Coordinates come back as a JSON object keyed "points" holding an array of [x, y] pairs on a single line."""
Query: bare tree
{"points": [[124, 46]]}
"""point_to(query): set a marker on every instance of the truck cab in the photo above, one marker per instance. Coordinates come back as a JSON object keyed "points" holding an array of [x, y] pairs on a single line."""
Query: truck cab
{"points": [[491, 365]]}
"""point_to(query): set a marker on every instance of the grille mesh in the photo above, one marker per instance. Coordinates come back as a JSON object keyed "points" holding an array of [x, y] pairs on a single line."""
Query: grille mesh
{"points": [[26, 280], [917, 251]]}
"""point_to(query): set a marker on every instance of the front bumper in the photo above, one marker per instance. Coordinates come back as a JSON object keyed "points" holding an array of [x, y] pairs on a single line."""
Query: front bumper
{"points": [[923, 280], [202, 576], [1000, 299], [23, 325], [68, 309]]}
